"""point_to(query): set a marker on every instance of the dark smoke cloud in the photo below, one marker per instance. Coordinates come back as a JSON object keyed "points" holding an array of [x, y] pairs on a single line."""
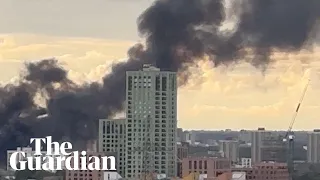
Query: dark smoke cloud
{"points": [[177, 32]]}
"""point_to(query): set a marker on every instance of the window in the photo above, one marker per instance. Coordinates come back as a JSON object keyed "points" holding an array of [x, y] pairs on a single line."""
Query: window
{"points": [[164, 83], [190, 165], [158, 83]]}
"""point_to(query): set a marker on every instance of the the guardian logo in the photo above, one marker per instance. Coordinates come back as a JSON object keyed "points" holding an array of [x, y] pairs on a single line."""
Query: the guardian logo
{"points": [[58, 158]]}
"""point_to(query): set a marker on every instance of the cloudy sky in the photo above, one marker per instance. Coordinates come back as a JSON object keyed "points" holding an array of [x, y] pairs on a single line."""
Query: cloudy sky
{"points": [[87, 36]]}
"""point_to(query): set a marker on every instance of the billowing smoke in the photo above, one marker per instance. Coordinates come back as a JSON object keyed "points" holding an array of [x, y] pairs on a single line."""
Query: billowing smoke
{"points": [[178, 33]]}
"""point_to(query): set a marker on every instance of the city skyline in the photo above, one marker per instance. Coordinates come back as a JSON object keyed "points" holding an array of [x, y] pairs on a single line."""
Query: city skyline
{"points": [[238, 99]]}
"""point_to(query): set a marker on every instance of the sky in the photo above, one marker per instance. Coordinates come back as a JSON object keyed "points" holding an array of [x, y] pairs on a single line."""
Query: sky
{"points": [[88, 36]]}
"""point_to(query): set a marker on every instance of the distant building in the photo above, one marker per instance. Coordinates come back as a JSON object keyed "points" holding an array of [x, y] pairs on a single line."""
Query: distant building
{"points": [[245, 136], [211, 166], [230, 149], [112, 139], [86, 175], [265, 171], [246, 162], [190, 137], [180, 135], [266, 146], [182, 152], [313, 147], [245, 150]]}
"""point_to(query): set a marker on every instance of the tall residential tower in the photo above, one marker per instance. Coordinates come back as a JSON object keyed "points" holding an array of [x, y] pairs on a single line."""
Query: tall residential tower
{"points": [[313, 152], [266, 146], [151, 122], [112, 139]]}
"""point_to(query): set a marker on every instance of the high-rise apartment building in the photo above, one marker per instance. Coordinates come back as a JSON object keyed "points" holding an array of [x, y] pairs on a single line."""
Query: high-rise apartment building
{"points": [[230, 150], [313, 152], [112, 136], [151, 122], [266, 146]]}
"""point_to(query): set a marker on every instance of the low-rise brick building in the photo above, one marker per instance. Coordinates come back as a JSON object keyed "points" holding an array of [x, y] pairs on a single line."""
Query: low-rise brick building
{"points": [[211, 166]]}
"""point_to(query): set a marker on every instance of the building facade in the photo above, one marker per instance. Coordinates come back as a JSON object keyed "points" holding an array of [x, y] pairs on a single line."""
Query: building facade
{"points": [[211, 166], [180, 135], [246, 162], [182, 152], [230, 150], [112, 139], [245, 136], [313, 147], [266, 146], [190, 137], [266, 171], [85, 174], [151, 122]]}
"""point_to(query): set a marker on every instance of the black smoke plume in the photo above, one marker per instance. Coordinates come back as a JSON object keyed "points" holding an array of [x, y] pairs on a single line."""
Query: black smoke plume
{"points": [[178, 33]]}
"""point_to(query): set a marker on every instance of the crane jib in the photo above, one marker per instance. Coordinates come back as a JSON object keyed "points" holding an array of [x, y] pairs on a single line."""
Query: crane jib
{"points": [[298, 107]]}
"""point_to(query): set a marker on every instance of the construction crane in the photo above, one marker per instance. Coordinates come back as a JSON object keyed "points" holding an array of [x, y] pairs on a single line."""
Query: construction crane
{"points": [[289, 136]]}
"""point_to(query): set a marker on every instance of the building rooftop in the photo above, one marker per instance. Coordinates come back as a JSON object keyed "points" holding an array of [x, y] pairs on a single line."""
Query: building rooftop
{"points": [[315, 131], [149, 67], [271, 163]]}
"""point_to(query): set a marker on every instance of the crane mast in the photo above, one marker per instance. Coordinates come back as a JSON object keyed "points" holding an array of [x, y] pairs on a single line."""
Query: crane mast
{"points": [[289, 137]]}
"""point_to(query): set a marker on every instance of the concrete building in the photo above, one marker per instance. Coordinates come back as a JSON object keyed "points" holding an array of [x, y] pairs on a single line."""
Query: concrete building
{"points": [[230, 150], [180, 135], [245, 150], [245, 136], [29, 153], [246, 162], [313, 147], [182, 152], [211, 166], [190, 137], [112, 139], [266, 146], [151, 122]]}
